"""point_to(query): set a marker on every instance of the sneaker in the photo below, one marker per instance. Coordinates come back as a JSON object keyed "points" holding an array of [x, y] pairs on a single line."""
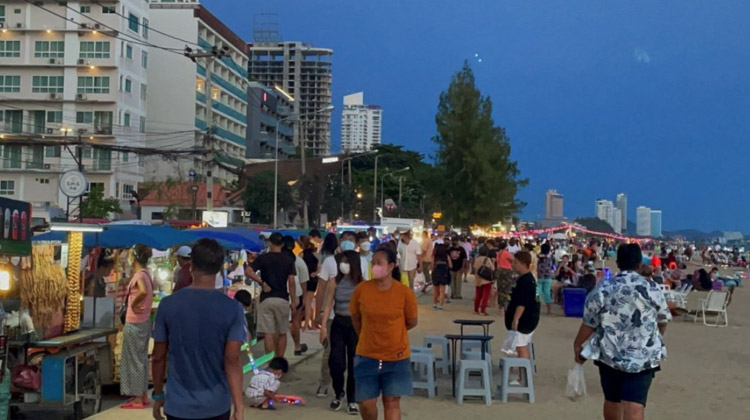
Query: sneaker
{"points": [[434, 306], [322, 391], [352, 409], [335, 404], [440, 308]]}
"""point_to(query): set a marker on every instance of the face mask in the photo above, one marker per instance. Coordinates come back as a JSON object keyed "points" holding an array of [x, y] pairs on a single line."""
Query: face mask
{"points": [[398, 237], [364, 246], [344, 268], [347, 246], [379, 271]]}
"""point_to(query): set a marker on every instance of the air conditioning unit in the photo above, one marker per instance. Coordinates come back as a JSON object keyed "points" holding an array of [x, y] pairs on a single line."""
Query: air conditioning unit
{"points": [[2, 25], [19, 25], [81, 62], [50, 131], [55, 96], [46, 166], [81, 97], [84, 26], [97, 26]]}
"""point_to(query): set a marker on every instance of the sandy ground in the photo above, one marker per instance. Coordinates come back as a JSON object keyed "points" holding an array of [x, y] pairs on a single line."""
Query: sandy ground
{"points": [[706, 375]]}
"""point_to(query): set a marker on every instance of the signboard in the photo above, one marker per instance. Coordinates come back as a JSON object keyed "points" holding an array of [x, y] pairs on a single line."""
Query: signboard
{"points": [[15, 227], [73, 184], [216, 218], [396, 223]]}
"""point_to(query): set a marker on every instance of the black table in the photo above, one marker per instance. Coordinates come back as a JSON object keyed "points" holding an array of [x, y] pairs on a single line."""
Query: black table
{"points": [[484, 323], [455, 338]]}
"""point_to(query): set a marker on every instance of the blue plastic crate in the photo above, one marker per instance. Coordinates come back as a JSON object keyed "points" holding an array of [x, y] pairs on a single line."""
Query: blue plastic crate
{"points": [[573, 301]]}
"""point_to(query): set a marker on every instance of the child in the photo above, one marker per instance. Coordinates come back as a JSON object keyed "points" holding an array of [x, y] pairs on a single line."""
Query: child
{"points": [[263, 386], [244, 298]]}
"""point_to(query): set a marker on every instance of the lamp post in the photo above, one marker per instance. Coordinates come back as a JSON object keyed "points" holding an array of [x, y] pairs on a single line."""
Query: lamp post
{"points": [[276, 160], [375, 191], [349, 159], [382, 180]]}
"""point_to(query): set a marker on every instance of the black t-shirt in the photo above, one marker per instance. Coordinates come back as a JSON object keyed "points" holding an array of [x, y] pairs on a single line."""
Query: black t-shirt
{"points": [[275, 269], [311, 261], [457, 255], [524, 294]]}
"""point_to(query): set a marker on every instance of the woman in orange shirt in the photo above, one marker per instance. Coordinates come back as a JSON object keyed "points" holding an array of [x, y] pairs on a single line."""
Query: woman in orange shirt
{"points": [[382, 310]]}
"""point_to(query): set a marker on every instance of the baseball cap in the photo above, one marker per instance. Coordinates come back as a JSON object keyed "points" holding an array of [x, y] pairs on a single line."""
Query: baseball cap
{"points": [[184, 251]]}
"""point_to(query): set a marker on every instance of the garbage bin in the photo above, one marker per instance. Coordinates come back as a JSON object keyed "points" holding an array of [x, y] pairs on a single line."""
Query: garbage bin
{"points": [[573, 301]]}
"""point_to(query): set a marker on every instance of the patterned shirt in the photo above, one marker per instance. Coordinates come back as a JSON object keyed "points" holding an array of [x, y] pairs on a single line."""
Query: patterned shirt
{"points": [[544, 267], [625, 312], [260, 383]]}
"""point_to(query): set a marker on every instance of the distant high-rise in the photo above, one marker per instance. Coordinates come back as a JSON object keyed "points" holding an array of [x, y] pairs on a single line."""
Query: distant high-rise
{"points": [[553, 207], [360, 124], [606, 210], [305, 73], [643, 221], [655, 223], [622, 204]]}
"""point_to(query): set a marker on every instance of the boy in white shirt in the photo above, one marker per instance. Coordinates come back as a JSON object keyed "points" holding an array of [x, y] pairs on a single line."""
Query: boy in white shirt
{"points": [[263, 386]]}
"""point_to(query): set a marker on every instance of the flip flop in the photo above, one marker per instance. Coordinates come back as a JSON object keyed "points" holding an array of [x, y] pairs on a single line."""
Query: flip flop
{"points": [[133, 406]]}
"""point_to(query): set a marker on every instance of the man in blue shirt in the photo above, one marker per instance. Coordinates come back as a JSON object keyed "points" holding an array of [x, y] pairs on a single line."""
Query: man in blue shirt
{"points": [[200, 332]]}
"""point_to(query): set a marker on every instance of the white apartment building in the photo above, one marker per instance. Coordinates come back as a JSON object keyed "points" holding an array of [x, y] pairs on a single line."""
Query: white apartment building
{"points": [[177, 99], [71, 69], [361, 125], [622, 204], [643, 221], [606, 210], [305, 73]]}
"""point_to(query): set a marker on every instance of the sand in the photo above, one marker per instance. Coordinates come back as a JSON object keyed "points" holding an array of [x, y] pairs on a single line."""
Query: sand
{"points": [[705, 377]]}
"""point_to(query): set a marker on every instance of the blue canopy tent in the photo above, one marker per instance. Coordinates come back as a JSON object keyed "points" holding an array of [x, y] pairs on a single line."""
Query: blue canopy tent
{"points": [[249, 241], [125, 236]]}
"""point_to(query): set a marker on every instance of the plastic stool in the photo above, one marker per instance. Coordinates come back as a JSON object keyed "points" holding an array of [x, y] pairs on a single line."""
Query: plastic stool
{"points": [[444, 361], [504, 387], [421, 349], [423, 373], [477, 355], [533, 355], [465, 367]]}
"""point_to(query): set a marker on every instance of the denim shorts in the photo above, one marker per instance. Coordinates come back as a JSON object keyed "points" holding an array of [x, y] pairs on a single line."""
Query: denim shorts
{"points": [[624, 386], [375, 377]]}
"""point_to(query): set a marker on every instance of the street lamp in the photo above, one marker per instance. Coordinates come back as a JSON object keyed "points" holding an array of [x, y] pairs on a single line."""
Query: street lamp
{"points": [[349, 159], [276, 160], [382, 180]]}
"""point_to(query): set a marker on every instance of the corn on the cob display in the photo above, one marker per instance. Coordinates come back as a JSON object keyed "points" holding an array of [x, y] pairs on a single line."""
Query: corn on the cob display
{"points": [[43, 285], [73, 307]]}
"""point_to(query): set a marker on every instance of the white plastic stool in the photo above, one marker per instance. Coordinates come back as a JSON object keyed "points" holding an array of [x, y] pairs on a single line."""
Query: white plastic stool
{"points": [[423, 373], [465, 367], [477, 355], [505, 388], [437, 341]]}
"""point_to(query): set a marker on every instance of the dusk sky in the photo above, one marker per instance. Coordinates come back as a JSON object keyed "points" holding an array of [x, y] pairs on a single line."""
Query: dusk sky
{"points": [[646, 97]]}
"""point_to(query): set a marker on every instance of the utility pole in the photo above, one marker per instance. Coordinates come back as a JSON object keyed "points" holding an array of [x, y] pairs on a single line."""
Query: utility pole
{"points": [[400, 181], [350, 190], [209, 56], [302, 145], [375, 192]]}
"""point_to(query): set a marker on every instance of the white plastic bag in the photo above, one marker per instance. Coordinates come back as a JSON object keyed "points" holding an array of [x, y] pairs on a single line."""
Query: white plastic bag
{"points": [[419, 281], [576, 388], [509, 345]]}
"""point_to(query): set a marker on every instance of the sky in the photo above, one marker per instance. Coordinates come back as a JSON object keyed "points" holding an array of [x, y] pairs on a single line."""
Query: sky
{"points": [[646, 97]]}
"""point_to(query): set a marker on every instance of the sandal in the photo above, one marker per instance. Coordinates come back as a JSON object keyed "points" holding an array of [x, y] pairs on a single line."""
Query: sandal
{"points": [[130, 405]]}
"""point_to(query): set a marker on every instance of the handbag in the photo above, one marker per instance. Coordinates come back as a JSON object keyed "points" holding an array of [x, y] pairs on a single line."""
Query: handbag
{"points": [[485, 272]]}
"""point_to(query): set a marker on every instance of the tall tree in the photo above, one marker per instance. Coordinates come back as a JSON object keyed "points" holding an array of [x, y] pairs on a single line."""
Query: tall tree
{"points": [[95, 206], [479, 181], [259, 197]]}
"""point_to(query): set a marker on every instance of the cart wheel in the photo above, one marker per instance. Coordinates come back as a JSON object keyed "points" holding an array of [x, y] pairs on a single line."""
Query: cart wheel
{"points": [[90, 388]]}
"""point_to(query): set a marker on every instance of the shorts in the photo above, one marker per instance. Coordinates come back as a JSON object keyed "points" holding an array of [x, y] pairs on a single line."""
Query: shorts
{"points": [[441, 275], [523, 340], [273, 316], [312, 284], [375, 377], [625, 386]]}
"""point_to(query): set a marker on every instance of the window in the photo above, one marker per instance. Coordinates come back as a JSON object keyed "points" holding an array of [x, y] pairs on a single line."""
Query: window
{"points": [[54, 116], [7, 187], [133, 22], [93, 84], [127, 191], [103, 122], [37, 158], [90, 49], [109, 10], [13, 120], [2, 13], [49, 49], [124, 156], [52, 151], [42, 180], [102, 159], [129, 52], [144, 59], [86, 153], [145, 28], [10, 84], [38, 119], [47, 84], [95, 186], [10, 49], [126, 120], [11, 156], [84, 117], [143, 91], [85, 9], [128, 86], [142, 125]]}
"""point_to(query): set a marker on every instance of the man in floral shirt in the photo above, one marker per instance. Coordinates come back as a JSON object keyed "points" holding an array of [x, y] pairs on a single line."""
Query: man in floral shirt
{"points": [[625, 317]]}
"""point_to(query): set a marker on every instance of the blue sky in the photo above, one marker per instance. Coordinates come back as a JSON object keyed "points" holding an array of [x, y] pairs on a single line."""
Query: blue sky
{"points": [[646, 97]]}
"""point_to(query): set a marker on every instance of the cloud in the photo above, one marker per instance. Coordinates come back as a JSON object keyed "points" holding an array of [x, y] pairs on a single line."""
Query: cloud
{"points": [[641, 56]]}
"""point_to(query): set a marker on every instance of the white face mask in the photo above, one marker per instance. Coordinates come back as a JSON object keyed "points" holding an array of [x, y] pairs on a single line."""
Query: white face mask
{"points": [[344, 268], [364, 246]]}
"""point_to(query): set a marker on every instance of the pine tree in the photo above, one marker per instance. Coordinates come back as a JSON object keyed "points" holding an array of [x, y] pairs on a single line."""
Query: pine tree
{"points": [[479, 181]]}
